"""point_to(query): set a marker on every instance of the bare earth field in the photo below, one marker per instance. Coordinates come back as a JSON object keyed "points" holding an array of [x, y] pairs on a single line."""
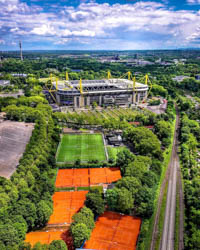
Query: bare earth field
{"points": [[13, 139]]}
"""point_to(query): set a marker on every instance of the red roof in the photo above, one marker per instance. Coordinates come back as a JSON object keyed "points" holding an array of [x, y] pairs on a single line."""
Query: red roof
{"points": [[134, 123], [150, 126]]}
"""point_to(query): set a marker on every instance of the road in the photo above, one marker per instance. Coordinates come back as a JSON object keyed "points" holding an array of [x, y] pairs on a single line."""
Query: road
{"points": [[158, 109], [168, 234]]}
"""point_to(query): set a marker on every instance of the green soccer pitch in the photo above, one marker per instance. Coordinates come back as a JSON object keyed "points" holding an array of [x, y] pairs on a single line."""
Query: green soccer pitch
{"points": [[85, 147]]}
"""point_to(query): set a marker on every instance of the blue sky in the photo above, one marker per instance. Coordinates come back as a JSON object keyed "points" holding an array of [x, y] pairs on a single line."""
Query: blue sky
{"points": [[99, 24]]}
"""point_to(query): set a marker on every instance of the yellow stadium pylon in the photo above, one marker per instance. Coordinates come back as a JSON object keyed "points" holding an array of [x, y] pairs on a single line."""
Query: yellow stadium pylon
{"points": [[109, 75], [67, 76]]}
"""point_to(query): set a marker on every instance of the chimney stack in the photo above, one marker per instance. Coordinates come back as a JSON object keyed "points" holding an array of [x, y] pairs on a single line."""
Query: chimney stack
{"points": [[20, 46]]}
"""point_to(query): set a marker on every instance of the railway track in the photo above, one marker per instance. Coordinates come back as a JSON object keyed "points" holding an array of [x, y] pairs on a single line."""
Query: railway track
{"points": [[173, 176], [168, 234]]}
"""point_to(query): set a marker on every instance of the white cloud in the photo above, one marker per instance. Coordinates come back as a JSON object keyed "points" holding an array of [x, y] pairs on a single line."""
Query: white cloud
{"points": [[45, 29], [193, 1], [62, 41], [123, 25]]}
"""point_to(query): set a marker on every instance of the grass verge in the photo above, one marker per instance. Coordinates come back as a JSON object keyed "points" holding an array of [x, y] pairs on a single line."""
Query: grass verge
{"points": [[100, 188], [161, 217], [64, 189]]}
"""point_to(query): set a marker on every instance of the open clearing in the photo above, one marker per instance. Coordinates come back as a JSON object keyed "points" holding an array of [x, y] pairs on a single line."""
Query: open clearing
{"points": [[86, 177], [13, 139], [114, 231], [65, 205], [85, 147]]}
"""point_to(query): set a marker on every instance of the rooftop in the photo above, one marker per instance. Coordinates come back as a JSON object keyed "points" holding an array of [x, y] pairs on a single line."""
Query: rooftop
{"points": [[98, 85], [180, 78], [4, 82]]}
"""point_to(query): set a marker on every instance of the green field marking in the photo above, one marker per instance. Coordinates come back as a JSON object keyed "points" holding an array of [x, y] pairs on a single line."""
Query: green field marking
{"points": [[85, 147]]}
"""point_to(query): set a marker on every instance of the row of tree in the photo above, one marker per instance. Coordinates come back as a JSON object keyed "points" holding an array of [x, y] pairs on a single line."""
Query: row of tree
{"points": [[26, 199], [189, 156]]}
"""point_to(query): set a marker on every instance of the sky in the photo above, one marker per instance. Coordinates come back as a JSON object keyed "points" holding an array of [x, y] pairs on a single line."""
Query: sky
{"points": [[99, 24]]}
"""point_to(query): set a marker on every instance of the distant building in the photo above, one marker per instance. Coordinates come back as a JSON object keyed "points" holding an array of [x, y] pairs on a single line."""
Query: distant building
{"points": [[135, 56], [4, 83], [180, 78], [76, 70], [158, 61], [176, 61], [197, 77], [144, 63], [19, 75]]}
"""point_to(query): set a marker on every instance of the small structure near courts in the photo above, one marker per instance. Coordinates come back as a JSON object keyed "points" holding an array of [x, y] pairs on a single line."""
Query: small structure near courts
{"points": [[86, 177], [114, 231], [13, 139]]}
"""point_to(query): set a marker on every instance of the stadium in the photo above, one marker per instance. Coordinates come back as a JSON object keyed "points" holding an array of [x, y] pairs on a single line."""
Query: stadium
{"points": [[106, 92]]}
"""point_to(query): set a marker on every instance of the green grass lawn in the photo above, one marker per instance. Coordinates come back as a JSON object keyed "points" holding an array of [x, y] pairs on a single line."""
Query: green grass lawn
{"points": [[85, 147]]}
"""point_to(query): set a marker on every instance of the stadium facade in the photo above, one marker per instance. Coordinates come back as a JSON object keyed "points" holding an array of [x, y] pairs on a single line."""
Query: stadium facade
{"points": [[105, 92]]}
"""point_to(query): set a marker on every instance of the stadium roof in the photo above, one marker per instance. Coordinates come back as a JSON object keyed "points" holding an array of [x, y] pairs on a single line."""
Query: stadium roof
{"points": [[98, 85]]}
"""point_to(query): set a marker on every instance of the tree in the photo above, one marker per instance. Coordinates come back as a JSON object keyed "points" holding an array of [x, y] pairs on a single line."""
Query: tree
{"points": [[80, 232], [119, 199], [39, 246], [112, 198], [95, 202], [94, 105], [85, 216], [136, 169], [159, 90], [58, 245], [43, 213], [124, 157], [24, 246], [28, 210], [9, 235], [2, 246], [144, 141], [125, 200], [195, 240], [130, 183], [144, 202], [150, 179], [21, 229], [163, 131]]}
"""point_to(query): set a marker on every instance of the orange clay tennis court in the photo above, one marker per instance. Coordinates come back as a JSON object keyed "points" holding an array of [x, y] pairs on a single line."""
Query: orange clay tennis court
{"points": [[48, 237], [86, 177], [114, 231], [43, 237], [65, 205]]}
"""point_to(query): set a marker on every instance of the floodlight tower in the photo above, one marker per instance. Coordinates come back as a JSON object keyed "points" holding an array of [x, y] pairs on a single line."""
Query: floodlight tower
{"points": [[20, 47]]}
